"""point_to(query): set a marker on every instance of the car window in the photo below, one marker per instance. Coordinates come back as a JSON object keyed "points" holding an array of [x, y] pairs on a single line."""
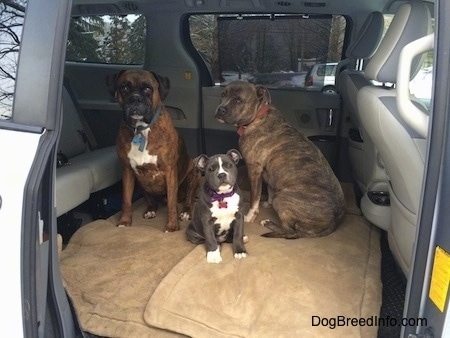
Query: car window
{"points": [[326, 70], [274, 50], [321, 70], [117, 39], [421, 85], [12, 17], [330, 70]]}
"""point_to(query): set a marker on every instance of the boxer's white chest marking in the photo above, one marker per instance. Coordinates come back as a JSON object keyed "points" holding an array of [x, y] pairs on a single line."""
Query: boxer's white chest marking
{"points": [[137, 157]]}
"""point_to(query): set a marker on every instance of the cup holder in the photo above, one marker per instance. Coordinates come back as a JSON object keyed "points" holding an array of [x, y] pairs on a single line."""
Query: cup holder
{"points": [[379, 197]]}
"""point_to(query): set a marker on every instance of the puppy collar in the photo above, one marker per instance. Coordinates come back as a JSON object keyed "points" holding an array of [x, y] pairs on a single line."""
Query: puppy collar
{"points": [[139, 137], [262, 111], [215, 196]]}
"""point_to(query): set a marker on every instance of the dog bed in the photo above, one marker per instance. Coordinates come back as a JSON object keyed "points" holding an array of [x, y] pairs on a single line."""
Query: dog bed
{"points": [[141, 282]]}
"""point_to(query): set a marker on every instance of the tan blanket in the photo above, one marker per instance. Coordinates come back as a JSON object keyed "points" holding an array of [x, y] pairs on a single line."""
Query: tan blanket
{"points": [[127, 282], [280, 290], [110, 273]]}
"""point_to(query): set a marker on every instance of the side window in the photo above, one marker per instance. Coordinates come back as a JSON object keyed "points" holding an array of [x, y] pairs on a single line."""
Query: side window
{"points": [[107, 39], [330, 69], [321, 70], [12, 15], [275, 50]]}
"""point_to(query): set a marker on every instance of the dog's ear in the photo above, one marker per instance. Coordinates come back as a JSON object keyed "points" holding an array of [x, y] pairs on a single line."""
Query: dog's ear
{"points": [[111, 82], [200, 162], [164, 85], [235, 155], [263, 94]]}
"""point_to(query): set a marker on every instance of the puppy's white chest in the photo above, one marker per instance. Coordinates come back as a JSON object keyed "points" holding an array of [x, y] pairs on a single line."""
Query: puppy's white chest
{"points": [[140, 157], [224, 211]]}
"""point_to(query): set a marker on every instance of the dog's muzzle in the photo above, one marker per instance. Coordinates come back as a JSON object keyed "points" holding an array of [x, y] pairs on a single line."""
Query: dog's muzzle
{"points": [[223, 181], [222, 177], [221, 112], [136, 109]]}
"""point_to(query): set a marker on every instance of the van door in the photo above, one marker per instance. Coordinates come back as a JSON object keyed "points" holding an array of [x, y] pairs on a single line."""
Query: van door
{"points": [[427, 297], [33, 298]]}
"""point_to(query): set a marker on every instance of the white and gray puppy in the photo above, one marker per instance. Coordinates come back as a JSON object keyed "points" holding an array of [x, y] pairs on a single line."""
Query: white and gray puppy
{"points": [[218, 215]]}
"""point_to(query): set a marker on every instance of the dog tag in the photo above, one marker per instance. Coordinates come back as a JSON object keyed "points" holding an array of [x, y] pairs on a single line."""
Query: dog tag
{"points": [[140, 140], [223, 204]]}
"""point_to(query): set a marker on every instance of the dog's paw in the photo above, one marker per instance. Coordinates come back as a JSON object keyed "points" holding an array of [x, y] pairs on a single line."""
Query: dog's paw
{"points": [[264, 222], [184, 216], [245, 239], [149, 214], [124, 224], [251, 216], [171, 228], [240, 255], [214, 256]]}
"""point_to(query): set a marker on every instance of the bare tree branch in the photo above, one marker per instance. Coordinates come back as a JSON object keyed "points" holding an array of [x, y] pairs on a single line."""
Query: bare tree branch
{"points": [[14, 5], [12, 13]]}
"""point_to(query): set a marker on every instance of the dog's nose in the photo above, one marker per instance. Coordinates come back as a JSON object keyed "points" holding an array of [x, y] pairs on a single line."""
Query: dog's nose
{"points": [[135, 98], [221, 111], [221, 176]]}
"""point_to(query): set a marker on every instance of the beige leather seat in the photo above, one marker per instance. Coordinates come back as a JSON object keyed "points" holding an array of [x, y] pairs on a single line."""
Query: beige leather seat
{"points": [[401, 148], [86, 171], [366, 169]]}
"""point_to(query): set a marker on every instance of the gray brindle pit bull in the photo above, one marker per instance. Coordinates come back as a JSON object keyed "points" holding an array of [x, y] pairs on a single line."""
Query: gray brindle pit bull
{"points": [[218, 216], [302, 187]]}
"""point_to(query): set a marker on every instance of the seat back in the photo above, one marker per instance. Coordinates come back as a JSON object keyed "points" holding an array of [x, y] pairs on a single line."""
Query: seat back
{"points": [[363, 46], [363, 158], [72, 142], [88, 169], [401, 149]]}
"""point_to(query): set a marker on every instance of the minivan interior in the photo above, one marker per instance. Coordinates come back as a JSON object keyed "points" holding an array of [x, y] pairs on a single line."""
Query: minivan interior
{"points": [[359, 79]]}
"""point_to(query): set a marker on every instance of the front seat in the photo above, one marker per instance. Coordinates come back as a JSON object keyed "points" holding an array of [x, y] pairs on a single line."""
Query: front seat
{"points": [[402, 149], [366, 169]]}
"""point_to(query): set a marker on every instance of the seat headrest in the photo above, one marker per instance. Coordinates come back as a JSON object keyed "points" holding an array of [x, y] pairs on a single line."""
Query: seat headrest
{"points": [[411, 22], [366, 42]]}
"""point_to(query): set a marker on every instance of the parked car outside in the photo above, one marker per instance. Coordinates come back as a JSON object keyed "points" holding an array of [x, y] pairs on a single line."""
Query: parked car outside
{"points": [[321, 77]]}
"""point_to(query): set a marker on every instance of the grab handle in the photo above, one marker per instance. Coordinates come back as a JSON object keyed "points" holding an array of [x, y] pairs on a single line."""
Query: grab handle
{"points": [[413, 116]]}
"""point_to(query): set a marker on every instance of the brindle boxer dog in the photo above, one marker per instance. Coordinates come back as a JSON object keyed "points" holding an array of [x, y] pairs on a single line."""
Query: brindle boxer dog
{"points": [[150, 149], [302, 187]]}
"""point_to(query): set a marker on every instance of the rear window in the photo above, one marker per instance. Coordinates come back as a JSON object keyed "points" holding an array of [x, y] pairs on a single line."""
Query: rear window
{"points": [[274, 50], [326, 70]]}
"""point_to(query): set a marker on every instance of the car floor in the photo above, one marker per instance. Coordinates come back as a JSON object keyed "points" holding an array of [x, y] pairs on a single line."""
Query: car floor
{"points": [[107, 203], [88, 236], [394, 286], [393, 280]]}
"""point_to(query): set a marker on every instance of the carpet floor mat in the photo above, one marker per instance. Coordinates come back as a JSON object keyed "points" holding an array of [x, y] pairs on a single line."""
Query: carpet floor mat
{"points": [[142, 282]]}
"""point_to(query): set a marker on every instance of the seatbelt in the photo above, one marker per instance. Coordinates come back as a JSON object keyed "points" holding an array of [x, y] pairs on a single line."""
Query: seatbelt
{"points": [[86, 133]]}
